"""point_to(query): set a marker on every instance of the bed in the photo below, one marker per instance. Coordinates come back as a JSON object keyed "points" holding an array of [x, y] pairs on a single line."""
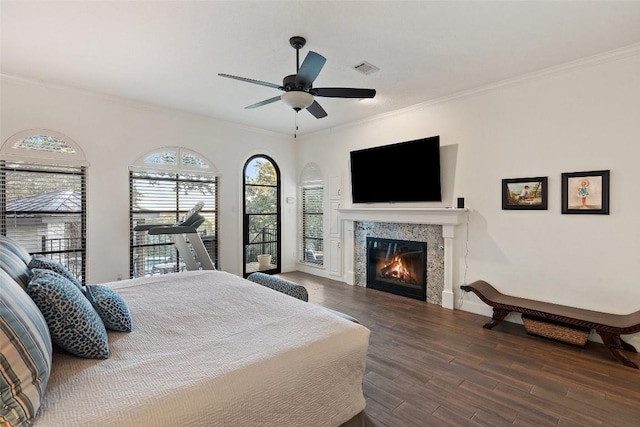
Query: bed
{"points": [[209, 348]]}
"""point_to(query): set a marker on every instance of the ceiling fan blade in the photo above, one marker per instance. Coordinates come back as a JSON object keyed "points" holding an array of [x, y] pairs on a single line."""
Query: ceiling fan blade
{"points": [[343, 92], [310, 69], [265, 102], [257, 82], [317, 111]]}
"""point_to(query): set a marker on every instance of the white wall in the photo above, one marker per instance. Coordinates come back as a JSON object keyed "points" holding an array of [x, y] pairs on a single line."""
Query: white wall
{"points": [[582, 118], [113, 133]]}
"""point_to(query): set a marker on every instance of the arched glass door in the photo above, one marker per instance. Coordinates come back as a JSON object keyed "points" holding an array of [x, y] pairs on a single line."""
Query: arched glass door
{"points": [[261, 213]]}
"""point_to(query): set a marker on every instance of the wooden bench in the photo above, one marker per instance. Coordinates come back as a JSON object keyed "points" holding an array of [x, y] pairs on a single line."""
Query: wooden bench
{"points": [[608, 326]]}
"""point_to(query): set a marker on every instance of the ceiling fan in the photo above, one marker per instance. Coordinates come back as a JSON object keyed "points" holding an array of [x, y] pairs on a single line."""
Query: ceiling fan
{"points": [[298, 88]]}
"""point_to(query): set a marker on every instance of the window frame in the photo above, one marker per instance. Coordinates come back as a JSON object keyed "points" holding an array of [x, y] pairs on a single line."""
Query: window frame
{"points": [[151, 167], [305, 238], [68, 161], [310, 180], [275, 266]]}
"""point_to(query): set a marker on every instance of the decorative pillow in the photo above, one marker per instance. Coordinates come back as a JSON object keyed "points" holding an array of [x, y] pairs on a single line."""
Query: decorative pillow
{"points": [[16, 248], [13, 265], [25, 354], [280, 285], [73, 322], [40, 261], [110, 306]]}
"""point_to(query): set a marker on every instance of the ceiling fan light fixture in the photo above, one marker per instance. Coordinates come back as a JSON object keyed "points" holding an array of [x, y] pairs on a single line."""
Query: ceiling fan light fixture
{"points": [[297, 99]]}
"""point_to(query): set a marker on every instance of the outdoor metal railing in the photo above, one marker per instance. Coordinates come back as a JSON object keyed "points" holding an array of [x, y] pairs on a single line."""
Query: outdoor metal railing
{"points": [[264, 242]]}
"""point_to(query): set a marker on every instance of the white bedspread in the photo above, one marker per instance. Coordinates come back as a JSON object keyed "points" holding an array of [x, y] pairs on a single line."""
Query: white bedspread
{"points": [[211, 349]]}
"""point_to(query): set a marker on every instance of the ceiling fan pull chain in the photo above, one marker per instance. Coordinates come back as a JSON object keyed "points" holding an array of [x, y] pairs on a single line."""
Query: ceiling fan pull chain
{"points": [[295, 132]]}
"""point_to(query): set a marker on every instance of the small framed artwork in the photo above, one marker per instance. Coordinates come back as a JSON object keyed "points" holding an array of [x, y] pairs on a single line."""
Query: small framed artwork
{"points": [[524, 193], [585, 192]]}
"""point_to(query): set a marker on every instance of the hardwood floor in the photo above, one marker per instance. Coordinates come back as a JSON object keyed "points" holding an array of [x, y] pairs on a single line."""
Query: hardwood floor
{"points": [[430, 366]]}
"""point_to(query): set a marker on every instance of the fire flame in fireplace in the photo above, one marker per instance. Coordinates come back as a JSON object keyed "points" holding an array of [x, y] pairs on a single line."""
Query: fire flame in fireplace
{"points": [[397, 270]]}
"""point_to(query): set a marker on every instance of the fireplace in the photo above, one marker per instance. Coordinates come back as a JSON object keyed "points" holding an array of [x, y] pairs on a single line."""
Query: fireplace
{"points": [[397, 266], [436, 226]]}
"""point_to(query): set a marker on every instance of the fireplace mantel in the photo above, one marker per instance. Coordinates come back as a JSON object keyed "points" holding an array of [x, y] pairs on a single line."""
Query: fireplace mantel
{"points": [[439, 216], [449, 218]]}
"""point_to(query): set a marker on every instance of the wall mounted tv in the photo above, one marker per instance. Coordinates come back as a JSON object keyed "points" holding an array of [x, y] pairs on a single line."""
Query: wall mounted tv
{"points": [[402, 172]]}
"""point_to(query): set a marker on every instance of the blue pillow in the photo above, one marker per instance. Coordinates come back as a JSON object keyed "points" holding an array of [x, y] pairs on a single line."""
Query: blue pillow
{"points": [[73, 323], [111, 307], [40, 261], [280, 285], [25, 354]]}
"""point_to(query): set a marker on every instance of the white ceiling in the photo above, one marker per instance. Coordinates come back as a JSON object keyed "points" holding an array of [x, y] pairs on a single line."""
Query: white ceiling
{"points": [[169, 53]]}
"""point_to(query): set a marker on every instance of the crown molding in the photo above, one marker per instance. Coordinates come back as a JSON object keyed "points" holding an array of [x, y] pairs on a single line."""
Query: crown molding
{"points": [[589, 61]]}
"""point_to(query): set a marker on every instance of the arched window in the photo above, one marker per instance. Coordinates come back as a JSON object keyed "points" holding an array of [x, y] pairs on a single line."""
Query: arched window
{"points": [[163, 185], [261, 219], [311, 194], [43, 196]]}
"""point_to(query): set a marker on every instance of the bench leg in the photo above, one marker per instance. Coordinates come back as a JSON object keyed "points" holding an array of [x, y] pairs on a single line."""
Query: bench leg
{"points": [[615, 344], [498, 316], [628, 347]]}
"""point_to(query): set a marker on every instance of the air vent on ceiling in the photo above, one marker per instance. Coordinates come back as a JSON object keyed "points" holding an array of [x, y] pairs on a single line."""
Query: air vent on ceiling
{"points": [[366, 68]]}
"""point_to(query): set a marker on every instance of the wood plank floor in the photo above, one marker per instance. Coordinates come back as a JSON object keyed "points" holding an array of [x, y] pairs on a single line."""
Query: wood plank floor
{"points": [[429, 366]]}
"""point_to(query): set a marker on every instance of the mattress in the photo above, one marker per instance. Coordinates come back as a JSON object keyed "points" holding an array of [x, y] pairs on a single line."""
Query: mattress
{"points": [[211, 349]]}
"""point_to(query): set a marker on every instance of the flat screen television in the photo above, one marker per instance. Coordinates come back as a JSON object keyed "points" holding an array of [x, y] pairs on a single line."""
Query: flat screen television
{"points": [[402, 172]]}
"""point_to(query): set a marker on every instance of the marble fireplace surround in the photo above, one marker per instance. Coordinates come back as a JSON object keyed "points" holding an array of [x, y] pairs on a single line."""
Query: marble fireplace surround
{"points": [[356, 224]]}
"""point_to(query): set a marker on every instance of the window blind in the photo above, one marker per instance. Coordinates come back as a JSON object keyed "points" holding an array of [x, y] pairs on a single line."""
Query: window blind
{"points": [[163, 198], [312, 229], [43, 207]]}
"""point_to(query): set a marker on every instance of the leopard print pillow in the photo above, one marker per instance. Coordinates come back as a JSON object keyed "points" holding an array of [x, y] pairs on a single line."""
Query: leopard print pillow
{"points": [[74, 324], [280, 285], [111, 307], [42, 262]]}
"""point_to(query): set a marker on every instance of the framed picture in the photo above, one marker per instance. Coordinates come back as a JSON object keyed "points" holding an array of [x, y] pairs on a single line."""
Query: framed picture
{"points": [[585, 192], [524, 193]]}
